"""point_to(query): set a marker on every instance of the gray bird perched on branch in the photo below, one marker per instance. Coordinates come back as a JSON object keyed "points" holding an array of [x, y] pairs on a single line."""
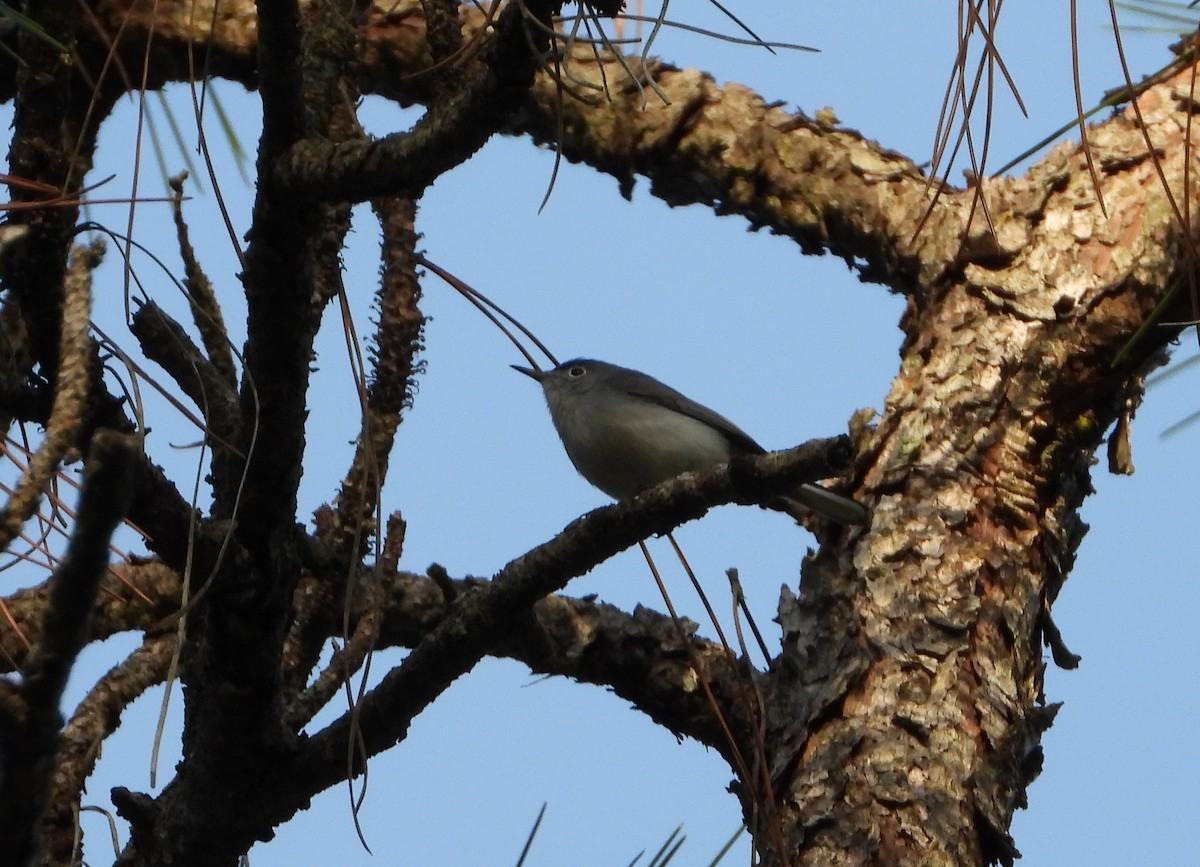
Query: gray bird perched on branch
{"points": [[626, 432]]}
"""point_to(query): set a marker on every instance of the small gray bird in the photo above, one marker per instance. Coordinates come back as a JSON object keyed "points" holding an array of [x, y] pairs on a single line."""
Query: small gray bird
{"points": [[626, 432]]}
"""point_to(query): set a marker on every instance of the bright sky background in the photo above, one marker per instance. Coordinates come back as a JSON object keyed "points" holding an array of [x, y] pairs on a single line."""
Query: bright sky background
{"points": [[787, 346]]}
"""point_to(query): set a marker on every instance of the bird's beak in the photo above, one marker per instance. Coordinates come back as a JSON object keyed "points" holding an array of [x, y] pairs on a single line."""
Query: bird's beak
{"points": [[532, 374]]}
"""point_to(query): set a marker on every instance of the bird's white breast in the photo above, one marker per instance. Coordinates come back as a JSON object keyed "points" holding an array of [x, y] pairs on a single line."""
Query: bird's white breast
{"points": [[623, 447]]}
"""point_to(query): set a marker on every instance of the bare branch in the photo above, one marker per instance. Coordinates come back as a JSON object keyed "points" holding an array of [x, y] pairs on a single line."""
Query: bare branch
{"points": [[66, 416], [80, 745], [31, 740], [164, 341]]}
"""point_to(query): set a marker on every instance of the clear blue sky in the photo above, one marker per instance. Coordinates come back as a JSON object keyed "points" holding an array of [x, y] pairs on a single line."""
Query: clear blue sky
{"points": [[787, 346]]}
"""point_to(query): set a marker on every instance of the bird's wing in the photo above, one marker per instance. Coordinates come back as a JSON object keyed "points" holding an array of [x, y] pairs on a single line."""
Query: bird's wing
{"points": [[673, 400]]}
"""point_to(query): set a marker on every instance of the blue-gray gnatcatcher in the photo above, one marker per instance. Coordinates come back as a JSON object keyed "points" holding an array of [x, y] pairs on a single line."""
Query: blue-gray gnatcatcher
{"points": [[626, 432]]}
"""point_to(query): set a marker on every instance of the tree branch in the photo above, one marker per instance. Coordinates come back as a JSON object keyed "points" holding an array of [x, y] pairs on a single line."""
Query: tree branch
{"points": [[164, 341], [480, 621], [447, 135], [97, 717], [70, 396], [30, 740]]}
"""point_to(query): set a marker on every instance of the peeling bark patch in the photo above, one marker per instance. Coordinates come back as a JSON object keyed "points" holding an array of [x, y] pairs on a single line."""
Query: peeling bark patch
{"points": [[976, 470]]}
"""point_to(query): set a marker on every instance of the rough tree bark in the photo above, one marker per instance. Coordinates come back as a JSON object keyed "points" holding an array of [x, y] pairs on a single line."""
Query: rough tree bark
{"points": [[901, 722]]}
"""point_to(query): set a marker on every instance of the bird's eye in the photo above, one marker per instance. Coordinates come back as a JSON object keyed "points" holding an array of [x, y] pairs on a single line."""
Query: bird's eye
{"points": [[576, 371]]}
